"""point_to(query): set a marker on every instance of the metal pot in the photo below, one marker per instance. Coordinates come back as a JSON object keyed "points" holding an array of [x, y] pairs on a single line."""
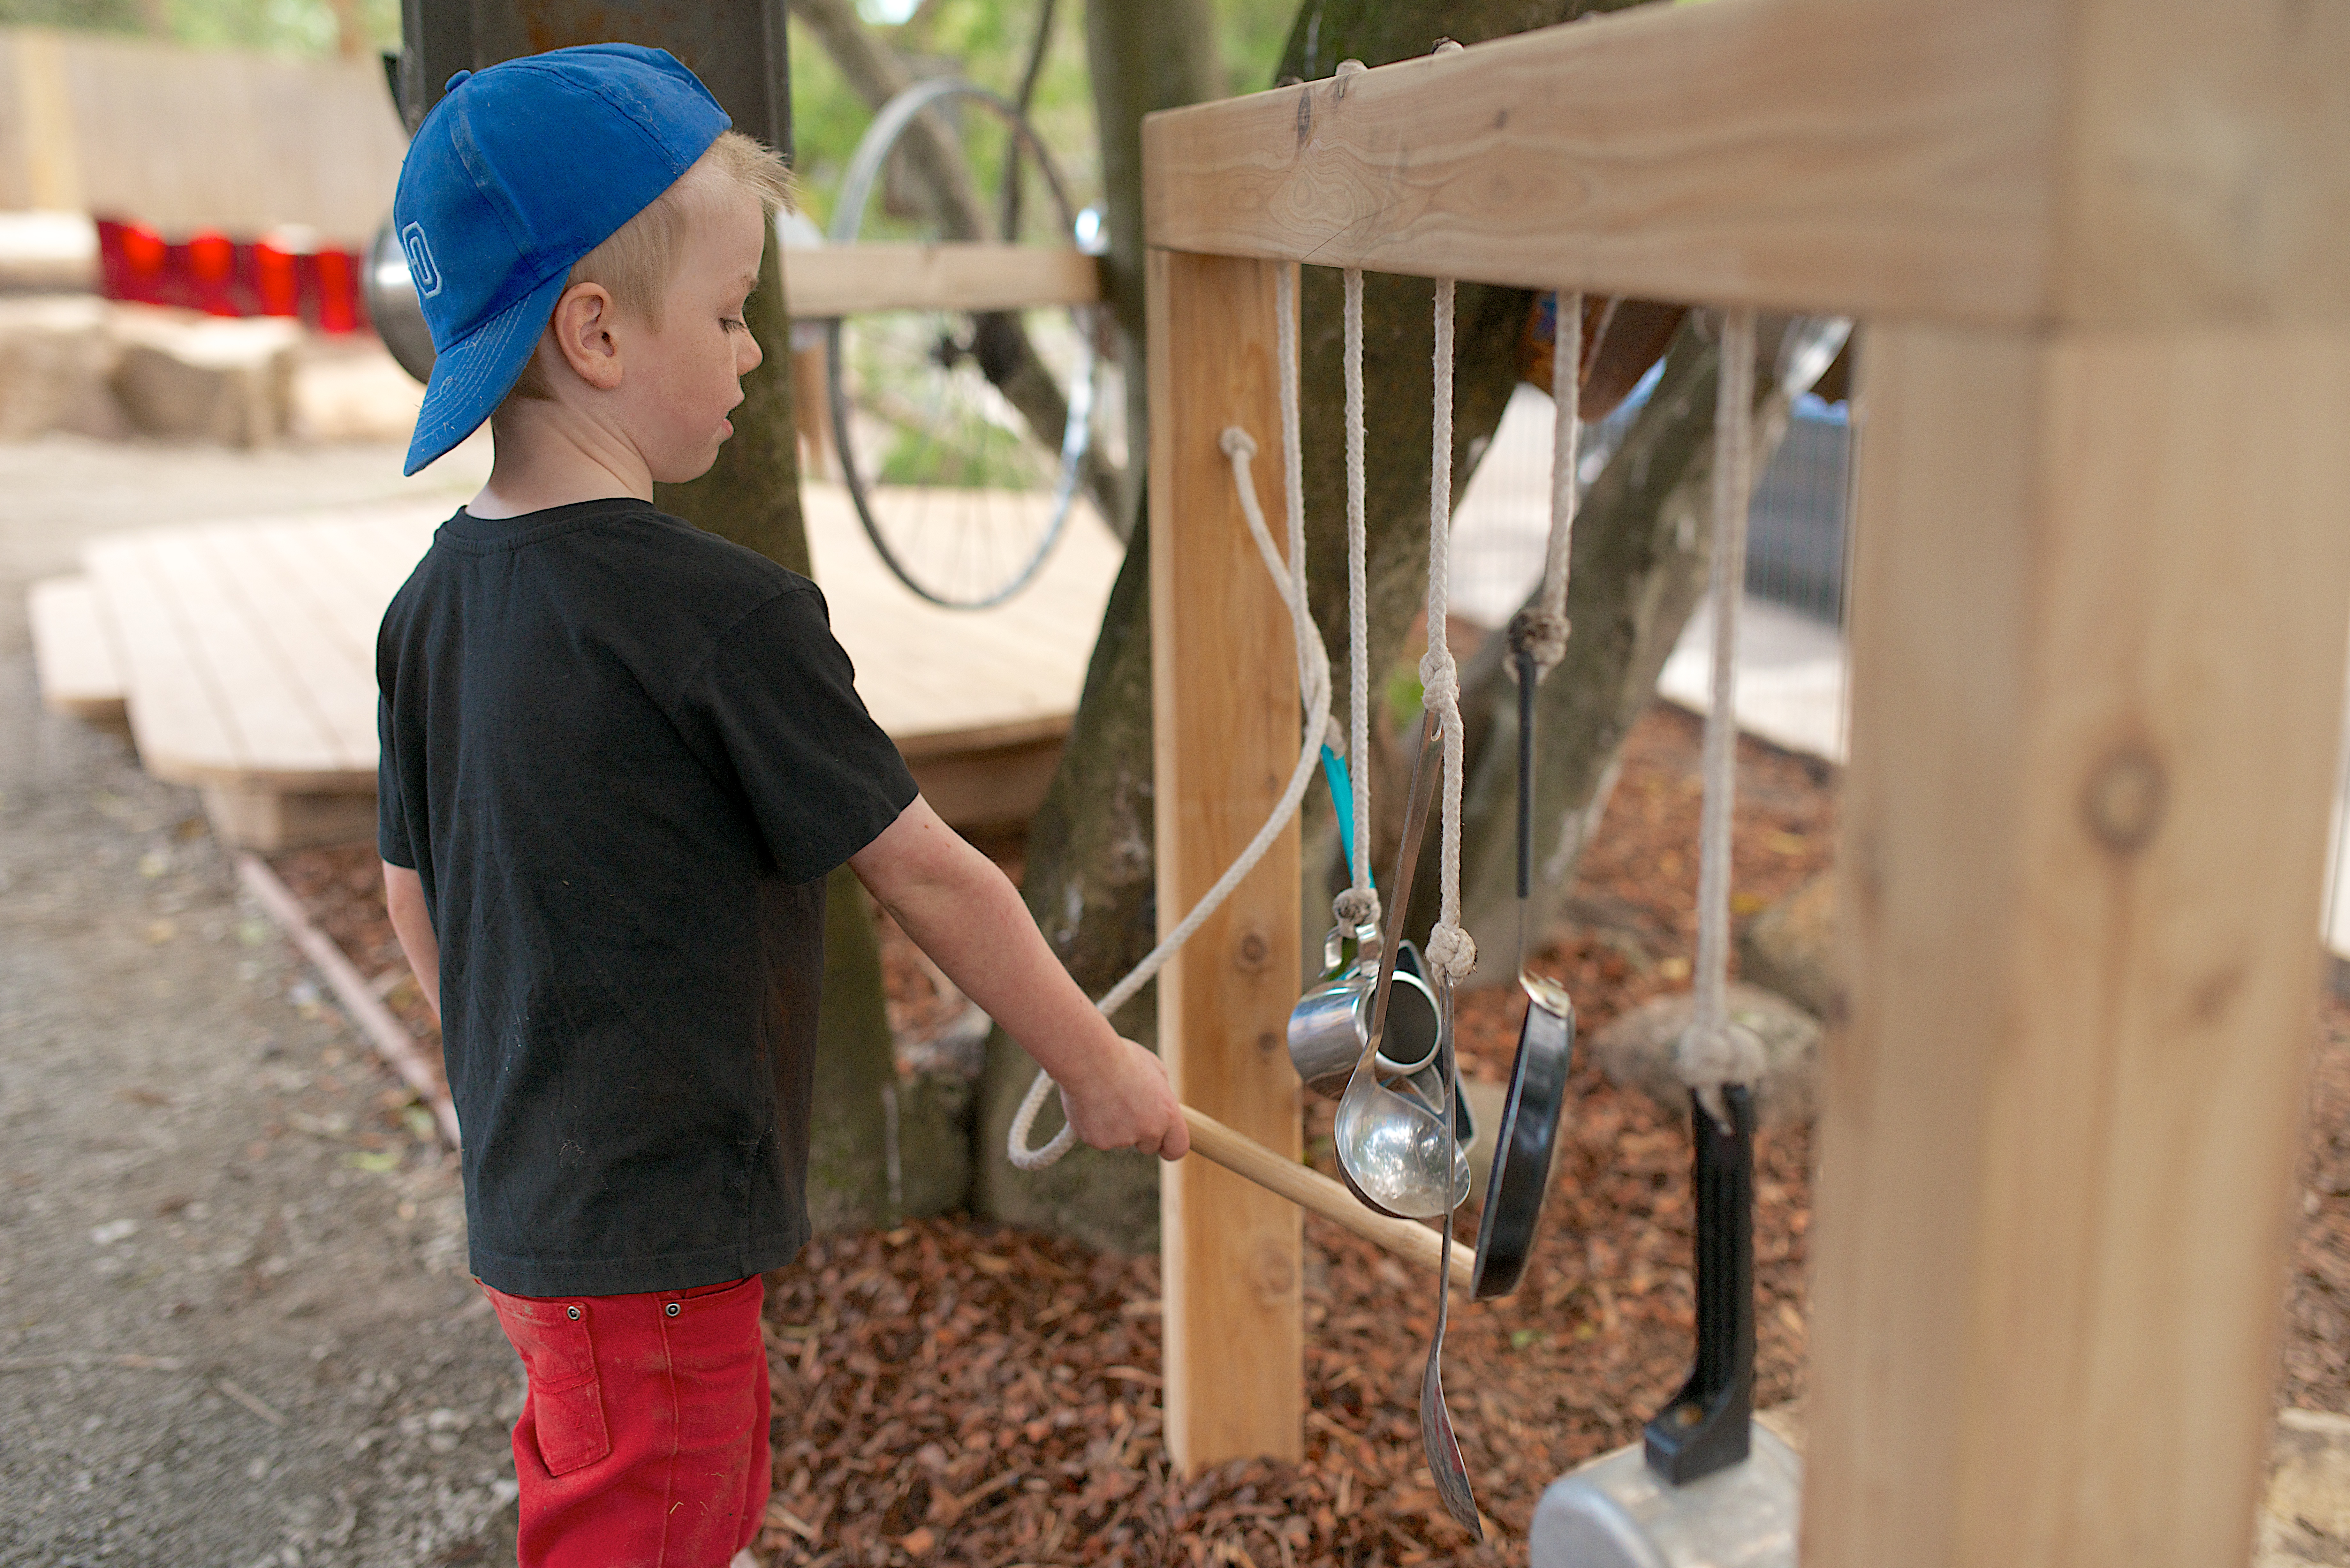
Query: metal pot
{"points": [[392, 304]]}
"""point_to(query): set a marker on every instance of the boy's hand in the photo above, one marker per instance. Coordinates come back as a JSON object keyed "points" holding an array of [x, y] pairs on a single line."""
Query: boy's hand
{"points": [[1123, 1101]]}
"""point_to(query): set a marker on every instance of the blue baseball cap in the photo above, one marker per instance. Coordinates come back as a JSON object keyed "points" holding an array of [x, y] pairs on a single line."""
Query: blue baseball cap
{"points": [[521, 170]]}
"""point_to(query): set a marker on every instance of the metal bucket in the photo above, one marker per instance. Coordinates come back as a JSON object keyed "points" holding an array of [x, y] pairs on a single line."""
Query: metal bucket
{"points": [[1618, 1512]]}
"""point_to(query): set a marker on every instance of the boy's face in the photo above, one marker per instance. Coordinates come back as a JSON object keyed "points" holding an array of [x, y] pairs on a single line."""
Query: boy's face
{"points": [[685, 375]]}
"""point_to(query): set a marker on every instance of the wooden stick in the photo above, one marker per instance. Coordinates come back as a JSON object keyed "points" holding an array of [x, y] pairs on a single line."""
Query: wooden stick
{"points": [[390, 1037], [1309, 1188]]}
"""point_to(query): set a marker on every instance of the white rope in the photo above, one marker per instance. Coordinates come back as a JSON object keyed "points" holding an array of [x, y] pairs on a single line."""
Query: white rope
{"points": [[1449, 949], [1541, 628], [1314, 688], [1714, 1052], [1358, 905]]}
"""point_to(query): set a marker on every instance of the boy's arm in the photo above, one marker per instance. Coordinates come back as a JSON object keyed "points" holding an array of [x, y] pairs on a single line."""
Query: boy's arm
{"points": [[403, 894], [963, 912]]}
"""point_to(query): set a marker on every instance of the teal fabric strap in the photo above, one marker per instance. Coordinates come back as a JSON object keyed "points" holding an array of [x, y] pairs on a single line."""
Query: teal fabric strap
{"points": [[1342, 795]]}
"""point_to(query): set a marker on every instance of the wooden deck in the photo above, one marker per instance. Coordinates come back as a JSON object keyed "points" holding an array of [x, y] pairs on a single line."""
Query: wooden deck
{"points": [[243, 653]]}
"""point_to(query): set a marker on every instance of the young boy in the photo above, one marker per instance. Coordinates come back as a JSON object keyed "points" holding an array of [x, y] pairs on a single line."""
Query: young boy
{"points": [[620, 757]]}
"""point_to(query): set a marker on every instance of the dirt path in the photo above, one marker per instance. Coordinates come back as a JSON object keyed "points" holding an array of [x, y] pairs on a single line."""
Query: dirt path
{"points": [[235, 1327]]}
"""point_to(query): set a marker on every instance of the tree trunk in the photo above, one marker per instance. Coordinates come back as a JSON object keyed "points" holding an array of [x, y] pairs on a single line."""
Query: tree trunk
{"points": [[752, 496], [1090, 846], [1142, 55]]}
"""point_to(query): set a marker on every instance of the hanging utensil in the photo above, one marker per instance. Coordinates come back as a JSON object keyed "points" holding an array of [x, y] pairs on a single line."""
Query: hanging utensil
{"points": [[1436, 1436], [1395, 1152], [1528, 1132], [1331, 1023], [1705, 1427]]}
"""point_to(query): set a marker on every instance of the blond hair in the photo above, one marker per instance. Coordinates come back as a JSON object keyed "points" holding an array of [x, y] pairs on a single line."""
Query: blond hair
{"points": [[637, 262]]}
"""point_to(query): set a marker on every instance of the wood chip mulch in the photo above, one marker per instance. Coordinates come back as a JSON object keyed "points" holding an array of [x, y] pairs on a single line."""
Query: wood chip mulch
{"points": [[954, 1392]]}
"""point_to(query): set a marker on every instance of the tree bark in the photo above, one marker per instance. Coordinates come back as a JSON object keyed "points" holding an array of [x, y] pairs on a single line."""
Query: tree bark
{"points": [[1143, 56], [1090, 846], [751, 496]]}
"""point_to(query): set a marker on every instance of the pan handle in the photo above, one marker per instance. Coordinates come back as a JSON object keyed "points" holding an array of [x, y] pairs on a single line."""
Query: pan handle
{"points": [[1706, 1426]]}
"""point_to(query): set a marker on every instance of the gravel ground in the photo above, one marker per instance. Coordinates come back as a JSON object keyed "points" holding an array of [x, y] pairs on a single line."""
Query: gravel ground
{"points": [[235, 1326]]}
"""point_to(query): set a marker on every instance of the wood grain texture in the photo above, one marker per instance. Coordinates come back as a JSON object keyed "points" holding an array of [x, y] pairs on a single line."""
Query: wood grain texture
{"points": [[1224, 711], [73, 650], [2014, 162], [1863, 156], [841, 280], [2102, 584]]}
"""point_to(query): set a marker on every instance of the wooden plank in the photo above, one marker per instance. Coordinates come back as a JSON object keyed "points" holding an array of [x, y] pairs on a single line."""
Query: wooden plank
{"points": [[1883, 157], [841, 280], [1224, 714], [2102, 586], [73, 648], [323, 661], [281, 730], [178, 718], [2012, 162]]}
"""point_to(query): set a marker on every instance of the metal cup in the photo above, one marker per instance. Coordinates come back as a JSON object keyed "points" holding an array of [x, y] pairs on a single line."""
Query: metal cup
{"points": [[1331, 1024]]}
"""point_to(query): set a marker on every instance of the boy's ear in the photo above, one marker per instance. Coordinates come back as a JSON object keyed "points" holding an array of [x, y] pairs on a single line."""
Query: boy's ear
{"points": [[582, 330]]}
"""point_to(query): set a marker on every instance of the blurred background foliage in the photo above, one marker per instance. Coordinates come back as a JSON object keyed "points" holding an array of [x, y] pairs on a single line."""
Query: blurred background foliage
{"points": [[315, 27]]}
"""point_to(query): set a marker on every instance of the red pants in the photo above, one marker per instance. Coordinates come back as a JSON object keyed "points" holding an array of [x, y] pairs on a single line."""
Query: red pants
{"points": [[643, 1440]]}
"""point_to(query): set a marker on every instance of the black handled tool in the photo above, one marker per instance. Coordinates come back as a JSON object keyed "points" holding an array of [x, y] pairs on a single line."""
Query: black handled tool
{"points": [[1706, 1427]]}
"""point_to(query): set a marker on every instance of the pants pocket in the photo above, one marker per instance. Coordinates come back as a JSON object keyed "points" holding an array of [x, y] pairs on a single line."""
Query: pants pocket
{"points": [[558, 1348]]}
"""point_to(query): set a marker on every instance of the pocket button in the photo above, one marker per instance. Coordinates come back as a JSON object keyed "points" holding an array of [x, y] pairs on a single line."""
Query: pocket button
{"points": [[572, 1313], [671, 1309]]}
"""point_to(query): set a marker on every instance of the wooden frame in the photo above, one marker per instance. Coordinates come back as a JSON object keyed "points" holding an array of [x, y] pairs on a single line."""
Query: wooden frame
{"points": [[2101, 596], [827, 281]]}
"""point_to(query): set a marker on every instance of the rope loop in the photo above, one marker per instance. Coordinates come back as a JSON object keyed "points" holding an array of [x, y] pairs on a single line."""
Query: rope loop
{"points": [[1542, 632], [1349, 67], [1237, 442], [1354, 907], [1450, 952]]}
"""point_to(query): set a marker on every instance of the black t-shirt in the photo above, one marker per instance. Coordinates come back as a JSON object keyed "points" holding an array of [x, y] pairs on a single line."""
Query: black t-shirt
{"points": [[622, 754]]}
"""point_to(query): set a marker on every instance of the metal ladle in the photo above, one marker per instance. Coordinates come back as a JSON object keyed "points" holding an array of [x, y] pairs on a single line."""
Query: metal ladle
{"points": [[1396, 1153]]}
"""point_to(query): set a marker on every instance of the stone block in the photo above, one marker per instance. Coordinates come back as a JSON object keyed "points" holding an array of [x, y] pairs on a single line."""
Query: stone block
{"points": [[56, 356], [1636, 1050], [1790, 948], [194, 379]]}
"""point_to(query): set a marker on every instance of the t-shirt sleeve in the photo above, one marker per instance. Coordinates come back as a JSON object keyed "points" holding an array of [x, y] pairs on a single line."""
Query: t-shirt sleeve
{"points": [[775, 707], [390, 814]]}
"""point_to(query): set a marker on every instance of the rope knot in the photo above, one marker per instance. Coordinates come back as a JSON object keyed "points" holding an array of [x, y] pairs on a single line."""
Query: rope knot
{"points": [[1356, 908], [1542, 633], [1237, 442], [1710, 1058], [1349, 67], [1451, 951], [1440, 682]]}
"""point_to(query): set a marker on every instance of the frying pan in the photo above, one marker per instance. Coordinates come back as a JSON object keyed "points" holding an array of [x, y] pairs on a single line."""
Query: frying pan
{"points": [[1524, 1141]]}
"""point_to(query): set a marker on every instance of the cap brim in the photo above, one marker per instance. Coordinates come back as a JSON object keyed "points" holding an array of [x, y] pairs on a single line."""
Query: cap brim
{"points": [[472, 375]]}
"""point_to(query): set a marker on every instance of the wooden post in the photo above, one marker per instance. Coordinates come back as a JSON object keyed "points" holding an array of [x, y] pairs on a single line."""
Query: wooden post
{"points": [[2098, 628], [1225, 717]]}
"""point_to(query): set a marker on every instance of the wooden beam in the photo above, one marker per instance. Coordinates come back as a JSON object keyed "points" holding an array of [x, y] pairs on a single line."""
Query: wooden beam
{"points": [[1872, 156], [1224, 717], [842, 280], [2007, 162], [2102, 581]]}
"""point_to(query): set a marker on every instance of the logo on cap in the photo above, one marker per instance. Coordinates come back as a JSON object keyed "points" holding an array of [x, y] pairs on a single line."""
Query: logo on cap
{"points": [[421, 271]]}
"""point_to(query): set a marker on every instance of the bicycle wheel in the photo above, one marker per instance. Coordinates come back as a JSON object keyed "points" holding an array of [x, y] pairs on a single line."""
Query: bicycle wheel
{"points": [[961, 437]]}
